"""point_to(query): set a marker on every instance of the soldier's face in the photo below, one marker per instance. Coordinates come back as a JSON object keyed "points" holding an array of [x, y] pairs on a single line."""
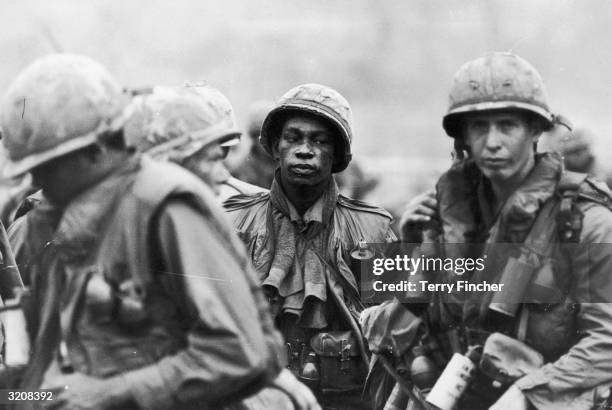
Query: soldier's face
{"points": [[62, 178], [578, 159], [207, 164], [501, 144], [305, 151]]}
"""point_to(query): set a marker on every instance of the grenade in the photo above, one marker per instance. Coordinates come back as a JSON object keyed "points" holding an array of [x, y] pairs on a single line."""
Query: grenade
{"points": [[423, 372], [455, 378], [362, 257]]}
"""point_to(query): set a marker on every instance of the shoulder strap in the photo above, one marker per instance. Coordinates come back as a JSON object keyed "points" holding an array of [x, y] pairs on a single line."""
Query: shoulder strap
{"points": [[569, 218], [241, 201], [569, 225], [362, 206], [571, 181]]}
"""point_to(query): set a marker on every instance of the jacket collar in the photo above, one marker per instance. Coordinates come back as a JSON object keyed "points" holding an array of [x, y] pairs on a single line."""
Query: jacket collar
{"points": [[320, 212], [464, 202]]}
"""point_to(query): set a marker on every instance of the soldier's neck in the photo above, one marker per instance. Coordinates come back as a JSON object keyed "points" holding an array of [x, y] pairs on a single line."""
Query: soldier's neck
{"points": [[303, 197]]}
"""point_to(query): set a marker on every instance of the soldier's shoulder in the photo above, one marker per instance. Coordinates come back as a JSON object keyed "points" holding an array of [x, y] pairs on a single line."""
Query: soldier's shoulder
{"points": [[595, 191], [157, 180], [363, 208], [151, 169], [589, 191], [246, 201]]}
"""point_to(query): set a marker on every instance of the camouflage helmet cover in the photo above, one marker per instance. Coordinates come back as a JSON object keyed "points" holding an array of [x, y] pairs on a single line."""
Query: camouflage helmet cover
{"points": [[493, 82], [321, 101], [580, 138], [173, 123], [58, 104]]}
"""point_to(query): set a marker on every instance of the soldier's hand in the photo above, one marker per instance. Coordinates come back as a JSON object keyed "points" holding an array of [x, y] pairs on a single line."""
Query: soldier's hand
{"points": [[300, 394], [512, 399], [419, 214], [78, 391], [13, 196]]}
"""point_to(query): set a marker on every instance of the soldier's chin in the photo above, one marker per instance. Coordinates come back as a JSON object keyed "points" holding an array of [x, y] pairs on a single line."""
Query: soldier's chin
{"points": [[495, 174], [304, 180]]}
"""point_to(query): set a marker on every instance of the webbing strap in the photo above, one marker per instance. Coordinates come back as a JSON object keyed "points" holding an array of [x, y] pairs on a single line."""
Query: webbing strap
{"points": [[569, 222], [539, 242]]}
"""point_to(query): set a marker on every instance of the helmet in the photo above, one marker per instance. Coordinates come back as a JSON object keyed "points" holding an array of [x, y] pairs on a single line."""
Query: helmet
{"points": [[580, 138], [257, 113], [316, 99], [493, 82], [173, 123], [58, 104]]}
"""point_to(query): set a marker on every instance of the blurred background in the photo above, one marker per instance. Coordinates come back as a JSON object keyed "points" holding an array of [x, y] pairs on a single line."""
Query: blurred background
{"points": [[393, 60]]}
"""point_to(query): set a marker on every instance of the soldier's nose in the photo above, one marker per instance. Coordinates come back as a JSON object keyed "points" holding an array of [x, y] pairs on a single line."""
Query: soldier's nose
{"points": [[493, 139], [304, 151]]}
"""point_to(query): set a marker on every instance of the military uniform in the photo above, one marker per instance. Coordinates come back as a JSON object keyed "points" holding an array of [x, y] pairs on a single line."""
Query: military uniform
{"points": [[574, 332], [300, 261], [122, 288], [303, 260], [234, 186], [176, 339], [192, 125], [555, 228]]}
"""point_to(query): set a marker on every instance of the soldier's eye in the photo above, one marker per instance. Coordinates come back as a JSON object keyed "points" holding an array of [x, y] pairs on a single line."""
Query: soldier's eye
{"points": [[478, 127], [507, 125], [226, 151], [290, 137]]}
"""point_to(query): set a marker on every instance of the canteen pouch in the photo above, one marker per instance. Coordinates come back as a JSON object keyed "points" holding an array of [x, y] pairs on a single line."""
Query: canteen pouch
{"points": [[516, 277], [505, 359], [340, 364]]}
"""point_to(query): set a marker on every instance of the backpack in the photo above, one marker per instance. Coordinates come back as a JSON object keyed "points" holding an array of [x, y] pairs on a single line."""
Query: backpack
{"points": [[578, 192]]}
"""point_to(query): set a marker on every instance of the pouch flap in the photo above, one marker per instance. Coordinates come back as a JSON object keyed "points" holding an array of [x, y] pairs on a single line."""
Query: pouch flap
{"points": [[335, 344], [505, 359]]}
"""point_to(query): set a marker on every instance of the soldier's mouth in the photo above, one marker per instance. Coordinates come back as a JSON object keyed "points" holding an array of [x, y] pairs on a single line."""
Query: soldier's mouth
{"points": [[302, 169], [493, 162]]}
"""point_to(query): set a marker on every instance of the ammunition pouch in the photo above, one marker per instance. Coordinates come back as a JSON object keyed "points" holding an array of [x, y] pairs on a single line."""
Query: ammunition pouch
{"points": [[123, 305], [297, 350], [114, 331], [505, 359], [341, 366]]}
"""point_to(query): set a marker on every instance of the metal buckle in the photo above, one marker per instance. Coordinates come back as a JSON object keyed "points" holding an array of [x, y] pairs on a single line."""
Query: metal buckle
{"points": [[345, 357]]}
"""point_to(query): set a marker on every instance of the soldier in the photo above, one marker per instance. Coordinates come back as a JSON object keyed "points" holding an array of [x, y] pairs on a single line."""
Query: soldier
{"points": [[355, 183], [172, 124], [190, 126], [579, 156], [300, 235], [128, 308], [258, 166], [555, 227]]}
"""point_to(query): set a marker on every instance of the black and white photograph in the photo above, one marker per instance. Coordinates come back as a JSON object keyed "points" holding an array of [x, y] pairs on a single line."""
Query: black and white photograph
{"points": [[306, 205]]}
